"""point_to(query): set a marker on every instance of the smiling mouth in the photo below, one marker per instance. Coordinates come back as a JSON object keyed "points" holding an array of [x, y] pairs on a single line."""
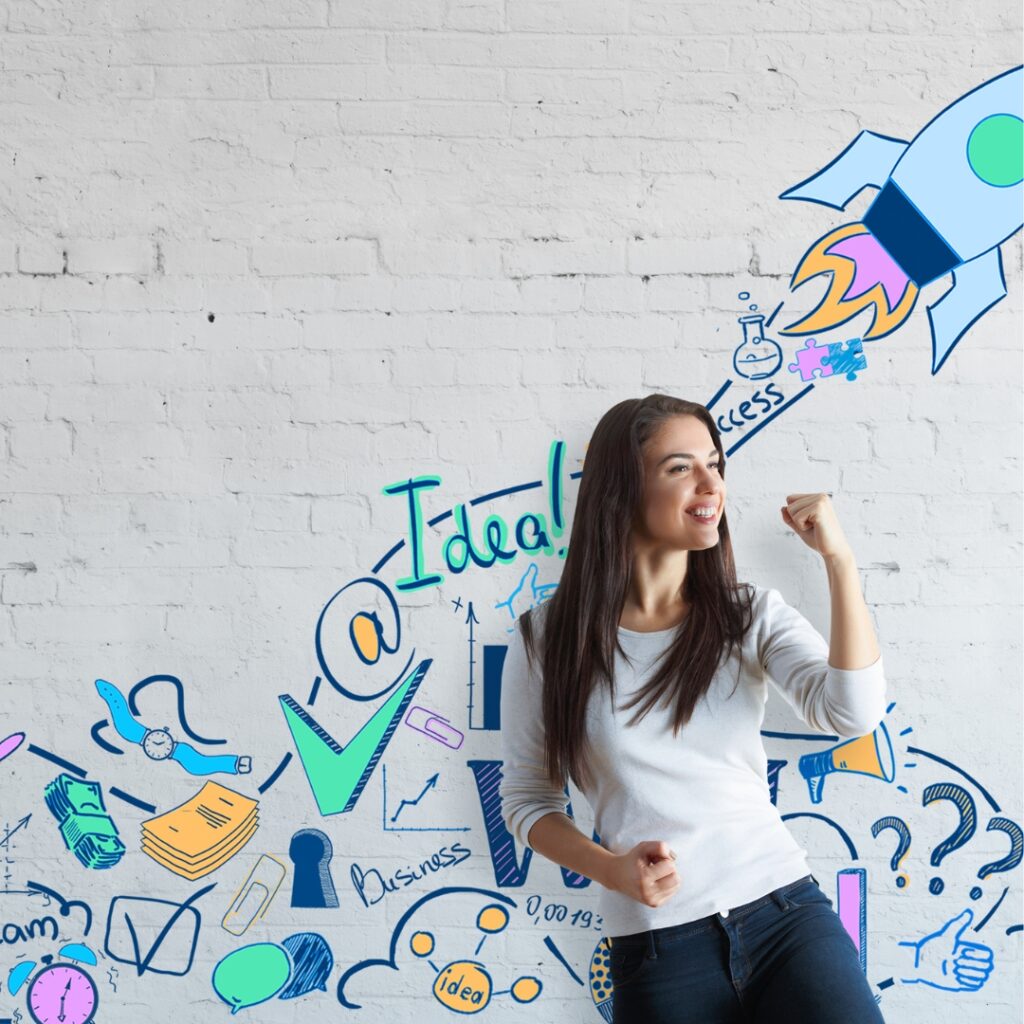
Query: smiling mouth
{"points": [[705, 518]]}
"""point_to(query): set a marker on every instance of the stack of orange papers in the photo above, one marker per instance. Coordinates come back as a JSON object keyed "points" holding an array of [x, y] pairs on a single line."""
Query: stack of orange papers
{"points": [[203, 833]]}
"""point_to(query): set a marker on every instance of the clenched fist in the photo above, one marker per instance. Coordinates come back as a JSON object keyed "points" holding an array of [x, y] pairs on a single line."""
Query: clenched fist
{"points": [[814, 520], [647, 873]]}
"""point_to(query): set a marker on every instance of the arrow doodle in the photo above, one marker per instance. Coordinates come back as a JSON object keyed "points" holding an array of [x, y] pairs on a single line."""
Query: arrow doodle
{"points": [[431, 782], [17, 828]]}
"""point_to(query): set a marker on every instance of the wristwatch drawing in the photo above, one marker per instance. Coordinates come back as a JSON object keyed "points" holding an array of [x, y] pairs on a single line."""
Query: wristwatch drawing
{"points": [[160, 745]]}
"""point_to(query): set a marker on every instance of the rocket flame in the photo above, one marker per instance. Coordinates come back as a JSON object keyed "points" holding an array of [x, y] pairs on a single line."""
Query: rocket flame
{"points": [[864, 275]]}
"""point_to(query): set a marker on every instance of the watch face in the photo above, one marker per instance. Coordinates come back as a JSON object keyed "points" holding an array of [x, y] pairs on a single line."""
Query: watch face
{"points": [[157, 744], [62, 994]]}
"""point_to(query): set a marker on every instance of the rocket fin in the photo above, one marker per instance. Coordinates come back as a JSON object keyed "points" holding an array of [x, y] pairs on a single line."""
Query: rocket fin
{"points": [[977, 286], [868, 160]]}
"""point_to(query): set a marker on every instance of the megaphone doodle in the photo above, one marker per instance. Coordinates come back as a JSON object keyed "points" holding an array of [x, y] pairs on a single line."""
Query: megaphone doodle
{"points": [[866, 755]]}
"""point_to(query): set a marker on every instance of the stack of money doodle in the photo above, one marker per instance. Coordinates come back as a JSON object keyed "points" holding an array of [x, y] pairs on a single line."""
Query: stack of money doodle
{"points": [[201, 834], [88, 831]]}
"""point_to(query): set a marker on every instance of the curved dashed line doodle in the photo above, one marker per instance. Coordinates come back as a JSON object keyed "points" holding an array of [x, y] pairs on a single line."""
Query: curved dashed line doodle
{"points": [[272, 777], [100, 741], [47, 755], [840, 831], [129, 799]]}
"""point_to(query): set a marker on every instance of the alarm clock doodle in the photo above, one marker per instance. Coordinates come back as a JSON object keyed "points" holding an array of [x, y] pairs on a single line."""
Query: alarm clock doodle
{"points": [[62, 992]]}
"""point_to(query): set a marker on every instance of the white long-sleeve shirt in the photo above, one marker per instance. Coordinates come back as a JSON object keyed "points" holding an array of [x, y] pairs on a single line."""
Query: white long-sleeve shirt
{"points": [[705, 791]]}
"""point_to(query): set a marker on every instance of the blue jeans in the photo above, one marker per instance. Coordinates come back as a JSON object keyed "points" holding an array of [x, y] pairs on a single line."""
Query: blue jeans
{"points": [[783, 957]]}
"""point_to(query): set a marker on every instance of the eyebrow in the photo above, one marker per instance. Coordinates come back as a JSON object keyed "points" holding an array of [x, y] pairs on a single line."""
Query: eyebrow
{"points": [[685, 455]]}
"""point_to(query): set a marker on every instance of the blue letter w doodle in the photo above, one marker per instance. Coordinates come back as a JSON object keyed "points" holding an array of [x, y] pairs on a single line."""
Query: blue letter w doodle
{"points": [[508, 871]]}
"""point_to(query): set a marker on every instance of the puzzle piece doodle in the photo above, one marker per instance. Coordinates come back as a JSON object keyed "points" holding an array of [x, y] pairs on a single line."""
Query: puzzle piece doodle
{"points": [[811, 358], [846, 357]]}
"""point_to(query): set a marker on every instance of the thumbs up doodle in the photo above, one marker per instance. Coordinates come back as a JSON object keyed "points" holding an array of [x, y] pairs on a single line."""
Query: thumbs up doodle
{"points": [[943, 960]]}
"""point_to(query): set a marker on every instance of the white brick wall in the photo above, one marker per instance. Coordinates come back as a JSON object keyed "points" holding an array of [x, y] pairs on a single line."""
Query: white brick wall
{"points": [[262, 260]]}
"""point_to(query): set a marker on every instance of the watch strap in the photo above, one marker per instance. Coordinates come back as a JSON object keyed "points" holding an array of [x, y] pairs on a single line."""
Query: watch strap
{"points": [[123, 720], [197, 763]]}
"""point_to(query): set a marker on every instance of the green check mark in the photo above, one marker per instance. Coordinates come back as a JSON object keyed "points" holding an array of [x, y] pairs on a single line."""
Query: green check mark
{"points": [[338, 774]]}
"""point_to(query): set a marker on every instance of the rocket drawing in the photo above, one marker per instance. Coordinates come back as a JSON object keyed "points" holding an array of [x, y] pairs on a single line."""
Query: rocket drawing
{"points": [[947, 200]]}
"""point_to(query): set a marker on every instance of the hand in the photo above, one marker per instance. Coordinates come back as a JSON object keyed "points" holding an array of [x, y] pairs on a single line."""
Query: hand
{"points": [[647, 873], [814, 520], [943, 960]]}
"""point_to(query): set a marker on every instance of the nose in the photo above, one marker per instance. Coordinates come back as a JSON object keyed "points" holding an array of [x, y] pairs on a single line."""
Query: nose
{"points": [[709, 480], [711, 490]]}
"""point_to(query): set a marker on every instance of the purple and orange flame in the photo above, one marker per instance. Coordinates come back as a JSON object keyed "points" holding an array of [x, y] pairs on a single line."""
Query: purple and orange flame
{"points": [[864, 275]]}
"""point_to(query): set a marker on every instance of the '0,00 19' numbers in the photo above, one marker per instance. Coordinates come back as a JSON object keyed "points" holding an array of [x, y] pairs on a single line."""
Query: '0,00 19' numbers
{"points": [[537, 908]]}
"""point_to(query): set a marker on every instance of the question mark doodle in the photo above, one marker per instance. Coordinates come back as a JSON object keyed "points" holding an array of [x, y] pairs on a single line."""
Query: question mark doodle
{"points": [[1011, 860], [900, 828], [961, 834]]}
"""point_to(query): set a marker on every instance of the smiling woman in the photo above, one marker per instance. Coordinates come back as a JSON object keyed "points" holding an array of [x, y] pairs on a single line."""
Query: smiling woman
{"points": [[683, 504], [639, 560], [651, 698]]}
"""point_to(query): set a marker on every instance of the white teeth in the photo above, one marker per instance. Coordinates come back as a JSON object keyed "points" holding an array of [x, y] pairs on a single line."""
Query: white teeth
{"points": [[703, 514]]}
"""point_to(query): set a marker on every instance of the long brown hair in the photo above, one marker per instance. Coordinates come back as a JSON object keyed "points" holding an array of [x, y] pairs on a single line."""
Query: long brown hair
{"points": [[586, 606]]}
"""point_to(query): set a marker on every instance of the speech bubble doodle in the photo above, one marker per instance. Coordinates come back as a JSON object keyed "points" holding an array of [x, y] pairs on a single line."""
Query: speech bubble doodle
{"points": [[251, 975], [313, 962]]}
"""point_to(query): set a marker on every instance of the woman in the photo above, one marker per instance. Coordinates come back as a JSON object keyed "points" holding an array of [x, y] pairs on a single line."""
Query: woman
{"points": [[652, 700]]}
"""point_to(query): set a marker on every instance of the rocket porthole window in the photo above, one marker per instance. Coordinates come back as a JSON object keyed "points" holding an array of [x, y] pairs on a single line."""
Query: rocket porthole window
{"points": [[995, 150]]}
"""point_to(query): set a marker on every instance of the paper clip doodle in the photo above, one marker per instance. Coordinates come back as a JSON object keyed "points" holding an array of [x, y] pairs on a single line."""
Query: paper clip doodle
{"points": [[436, 726], [255, 896]]}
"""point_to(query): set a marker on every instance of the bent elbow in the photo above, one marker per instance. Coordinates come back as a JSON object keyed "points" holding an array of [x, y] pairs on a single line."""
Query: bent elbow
{"points": [[847, 725]]}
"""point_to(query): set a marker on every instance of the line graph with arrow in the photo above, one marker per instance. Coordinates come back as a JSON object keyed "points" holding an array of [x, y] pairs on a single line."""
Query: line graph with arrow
{"points": [[431, 783]]}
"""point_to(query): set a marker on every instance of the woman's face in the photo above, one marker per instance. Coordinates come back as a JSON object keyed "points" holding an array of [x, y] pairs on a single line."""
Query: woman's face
{"points": [[681, 466]]}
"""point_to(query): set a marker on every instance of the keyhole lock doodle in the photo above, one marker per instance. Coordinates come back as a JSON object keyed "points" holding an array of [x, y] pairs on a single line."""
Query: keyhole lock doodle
{"points": [[312, 885]]}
